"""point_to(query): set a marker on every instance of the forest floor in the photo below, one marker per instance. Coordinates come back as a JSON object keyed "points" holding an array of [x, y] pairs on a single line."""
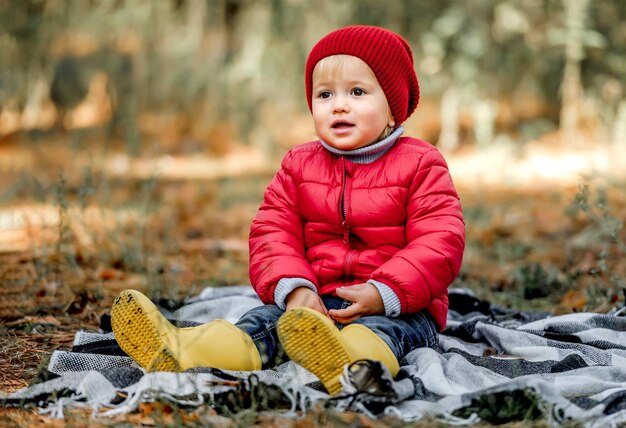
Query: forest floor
{"points": [[79, 223]]}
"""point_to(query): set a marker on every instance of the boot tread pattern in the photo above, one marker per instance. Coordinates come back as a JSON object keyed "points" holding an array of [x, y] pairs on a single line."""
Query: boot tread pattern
{"points": [[137, 336], [313, 342]]}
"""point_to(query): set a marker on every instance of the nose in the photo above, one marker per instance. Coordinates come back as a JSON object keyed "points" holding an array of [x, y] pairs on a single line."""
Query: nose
{"points": [[340, 104]]}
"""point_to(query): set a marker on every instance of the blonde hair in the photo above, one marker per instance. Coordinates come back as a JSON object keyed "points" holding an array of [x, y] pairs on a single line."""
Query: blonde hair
{"points": [[334, 65]]}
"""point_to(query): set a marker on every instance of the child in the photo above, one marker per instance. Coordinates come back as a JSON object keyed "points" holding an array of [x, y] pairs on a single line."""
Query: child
{"points": [[355, 244]]}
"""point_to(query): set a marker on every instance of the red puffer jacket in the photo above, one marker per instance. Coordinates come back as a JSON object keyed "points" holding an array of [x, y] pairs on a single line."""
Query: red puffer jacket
{"points": [[396, 220]]}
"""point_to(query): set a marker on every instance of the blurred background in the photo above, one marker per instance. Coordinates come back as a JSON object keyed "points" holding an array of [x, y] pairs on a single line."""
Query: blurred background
{"points": [[137, 138], [199, 75]]}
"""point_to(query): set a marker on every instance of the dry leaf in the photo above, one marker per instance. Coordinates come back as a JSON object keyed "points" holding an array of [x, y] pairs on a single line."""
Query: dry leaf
{"points": [[573, 300]]}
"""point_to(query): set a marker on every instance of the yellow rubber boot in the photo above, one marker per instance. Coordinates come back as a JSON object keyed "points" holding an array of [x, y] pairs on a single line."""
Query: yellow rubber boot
{"points": [[364, 344], [156, 345], [312, 340]]}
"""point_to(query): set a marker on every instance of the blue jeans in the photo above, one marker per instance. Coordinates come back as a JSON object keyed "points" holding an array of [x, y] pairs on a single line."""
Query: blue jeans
{"points": [[402, 334]]}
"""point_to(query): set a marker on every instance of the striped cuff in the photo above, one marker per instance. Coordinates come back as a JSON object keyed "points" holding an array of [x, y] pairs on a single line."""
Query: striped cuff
{"points": [[390, 299], [286, 286]]}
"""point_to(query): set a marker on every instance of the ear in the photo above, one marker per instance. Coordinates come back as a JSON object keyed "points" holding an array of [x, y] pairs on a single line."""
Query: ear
{"points": [[390, 120]]}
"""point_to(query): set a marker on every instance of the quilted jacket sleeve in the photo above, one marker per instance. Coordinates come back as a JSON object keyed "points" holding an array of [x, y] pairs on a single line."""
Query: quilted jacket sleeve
{"points": [[435, 233], [277, 236]]}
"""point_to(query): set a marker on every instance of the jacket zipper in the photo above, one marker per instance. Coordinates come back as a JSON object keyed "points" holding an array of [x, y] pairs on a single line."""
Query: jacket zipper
{"points": [[343, 210], [342, 204]]}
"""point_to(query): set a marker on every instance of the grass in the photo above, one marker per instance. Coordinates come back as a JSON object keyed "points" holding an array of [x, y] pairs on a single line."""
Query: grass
{"points": [[531, 250]]}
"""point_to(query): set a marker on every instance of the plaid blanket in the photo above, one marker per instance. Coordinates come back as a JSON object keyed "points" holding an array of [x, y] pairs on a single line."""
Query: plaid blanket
{"points": [[493, 364]]}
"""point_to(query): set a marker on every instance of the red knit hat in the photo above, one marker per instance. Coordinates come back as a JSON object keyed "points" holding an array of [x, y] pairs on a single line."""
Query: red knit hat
{"points": [[387, 54]]}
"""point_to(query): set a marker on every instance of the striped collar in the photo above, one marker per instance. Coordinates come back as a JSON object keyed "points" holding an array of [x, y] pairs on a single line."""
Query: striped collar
{"points": [[367, 154]]}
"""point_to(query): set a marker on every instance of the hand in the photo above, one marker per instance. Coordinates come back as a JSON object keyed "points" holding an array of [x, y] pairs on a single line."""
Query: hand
{"points": [[303, 297], [366, 300]]}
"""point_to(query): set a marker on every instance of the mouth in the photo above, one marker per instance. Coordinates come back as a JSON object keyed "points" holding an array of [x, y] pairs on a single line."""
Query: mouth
{"points": [[341, 124]]}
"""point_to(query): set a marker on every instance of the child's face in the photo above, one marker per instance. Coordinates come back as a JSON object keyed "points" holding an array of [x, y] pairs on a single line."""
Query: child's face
{"points": [[350, 109]]}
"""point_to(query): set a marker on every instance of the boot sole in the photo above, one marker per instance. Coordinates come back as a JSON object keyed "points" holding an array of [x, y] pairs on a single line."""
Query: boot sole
{"points": [[313, 341], [137, 335]]}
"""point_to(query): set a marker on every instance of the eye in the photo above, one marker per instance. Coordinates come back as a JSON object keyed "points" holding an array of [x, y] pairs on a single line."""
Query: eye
{"points": [[358, 92], [324, 94]]}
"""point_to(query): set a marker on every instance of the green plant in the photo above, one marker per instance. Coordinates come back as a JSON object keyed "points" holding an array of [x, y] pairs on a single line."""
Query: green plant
{"points": [[536, 281], [600, 212], [596, 208], [505, 406], [63, 248]]}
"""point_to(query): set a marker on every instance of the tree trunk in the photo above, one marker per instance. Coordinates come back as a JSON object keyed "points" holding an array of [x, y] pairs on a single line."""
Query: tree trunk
{"points": [[572, 90]]}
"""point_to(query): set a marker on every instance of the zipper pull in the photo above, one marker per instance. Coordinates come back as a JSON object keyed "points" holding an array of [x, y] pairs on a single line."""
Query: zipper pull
{"points": [[346, 232]]}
